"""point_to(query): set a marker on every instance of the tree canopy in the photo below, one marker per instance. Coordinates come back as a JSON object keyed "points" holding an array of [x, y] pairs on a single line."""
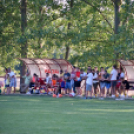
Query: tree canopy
{"points": [[85, 32]]}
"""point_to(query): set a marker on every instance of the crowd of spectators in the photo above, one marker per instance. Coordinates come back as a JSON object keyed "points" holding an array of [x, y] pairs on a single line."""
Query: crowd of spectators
{"points": [[93, 83]]}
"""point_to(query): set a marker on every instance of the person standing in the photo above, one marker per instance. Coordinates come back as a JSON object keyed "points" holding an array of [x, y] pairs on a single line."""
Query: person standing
{"points": [[67, 77], [60, 80], [12, 80], [7, 84], [95, 81], [26, 84], [73, 76], [107, 82], [83, 82], [5, 78], [113, 78], [82, 74], [89, 83], [102, 83], [122, 74], [77, 82]]}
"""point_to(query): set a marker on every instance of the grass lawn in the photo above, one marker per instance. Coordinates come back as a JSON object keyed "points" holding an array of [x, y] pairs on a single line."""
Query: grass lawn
{"points": [[47, 115]]}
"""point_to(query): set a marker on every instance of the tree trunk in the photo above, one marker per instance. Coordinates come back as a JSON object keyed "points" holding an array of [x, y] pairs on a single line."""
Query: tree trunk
{"points": [[67, 52], [117, 4], [69, 24], [39, 40], [24, 45]]}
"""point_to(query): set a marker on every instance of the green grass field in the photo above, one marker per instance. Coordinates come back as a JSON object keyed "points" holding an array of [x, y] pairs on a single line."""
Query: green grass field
{"points": [[47, 115]]}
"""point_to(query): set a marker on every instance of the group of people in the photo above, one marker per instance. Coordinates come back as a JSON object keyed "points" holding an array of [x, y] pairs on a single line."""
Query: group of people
{"points": [[107, 84], [96, 83]]}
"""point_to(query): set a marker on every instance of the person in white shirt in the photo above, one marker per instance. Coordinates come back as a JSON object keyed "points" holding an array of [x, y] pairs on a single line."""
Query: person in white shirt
{"points": [[12, 80], [83, 82], [24, 86], [122, 75], [47, 78], [82, 74], [48, 81], [113, 78], [89, 83]]}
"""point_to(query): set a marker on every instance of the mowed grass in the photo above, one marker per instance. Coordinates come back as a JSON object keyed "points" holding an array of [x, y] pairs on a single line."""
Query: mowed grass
{"points": [[47, 115]]}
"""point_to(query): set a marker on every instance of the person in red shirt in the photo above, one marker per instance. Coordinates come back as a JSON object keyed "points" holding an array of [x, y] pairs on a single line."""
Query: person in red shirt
{"points": [[77, 81], [78, 73]]}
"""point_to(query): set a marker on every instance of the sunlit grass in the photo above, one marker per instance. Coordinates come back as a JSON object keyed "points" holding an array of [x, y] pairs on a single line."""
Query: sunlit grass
{"points": [[43, 114]]}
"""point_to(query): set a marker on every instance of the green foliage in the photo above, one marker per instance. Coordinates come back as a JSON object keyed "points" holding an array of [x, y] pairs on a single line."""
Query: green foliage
{"points": [[87, 28]]}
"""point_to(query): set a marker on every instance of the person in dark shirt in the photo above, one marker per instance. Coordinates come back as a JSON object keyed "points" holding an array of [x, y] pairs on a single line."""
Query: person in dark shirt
{"points": [[118, 76], [67, 78], [124, 86], [107, 81]]}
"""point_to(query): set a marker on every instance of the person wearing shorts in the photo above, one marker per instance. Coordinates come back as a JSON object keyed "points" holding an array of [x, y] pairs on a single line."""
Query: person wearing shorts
{"points": [[107, 82], [89, 83], [67, 78], [113, 78], [25, 85], [12, 80]]}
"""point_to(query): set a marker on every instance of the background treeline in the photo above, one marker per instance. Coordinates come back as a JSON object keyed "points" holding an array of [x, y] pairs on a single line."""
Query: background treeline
{"points": [[85, 32]]}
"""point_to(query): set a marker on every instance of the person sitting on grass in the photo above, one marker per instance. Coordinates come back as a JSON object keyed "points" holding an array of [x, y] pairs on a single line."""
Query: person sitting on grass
{"points": [[89, 83]]}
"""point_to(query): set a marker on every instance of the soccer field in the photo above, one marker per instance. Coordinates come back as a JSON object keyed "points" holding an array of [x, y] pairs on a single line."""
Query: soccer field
{"points": [[47, 115]]}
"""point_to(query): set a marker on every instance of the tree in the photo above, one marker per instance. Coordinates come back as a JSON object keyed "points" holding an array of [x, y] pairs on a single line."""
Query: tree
{"points": [[69, 25], [23, 46], [83, 31]]}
